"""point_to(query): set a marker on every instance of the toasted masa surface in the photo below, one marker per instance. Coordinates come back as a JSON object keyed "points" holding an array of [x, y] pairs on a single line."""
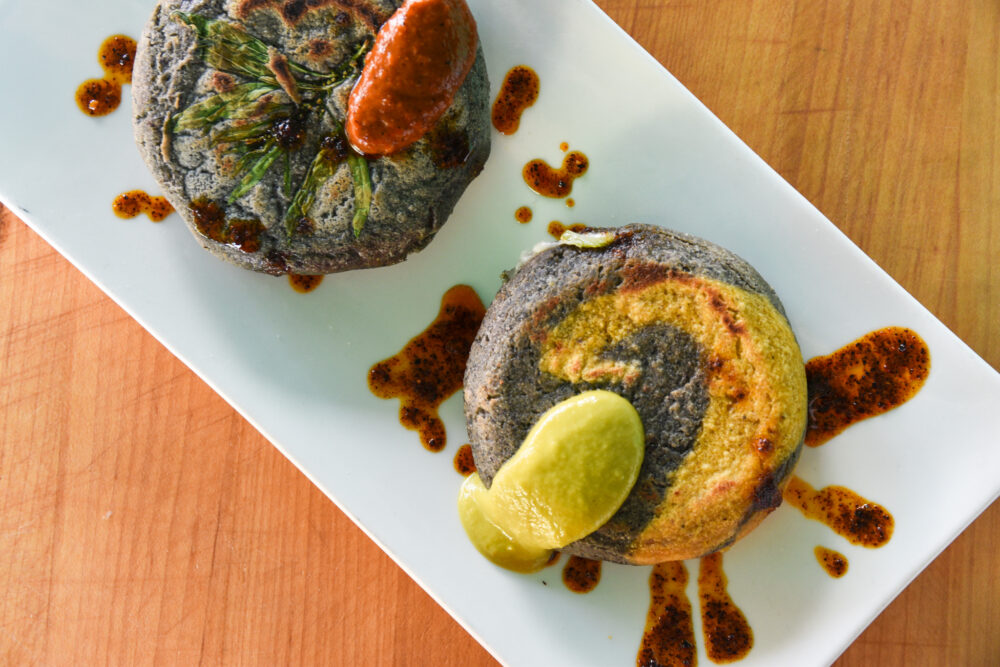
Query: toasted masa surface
{"points": [[414, 191], [694, 338]]}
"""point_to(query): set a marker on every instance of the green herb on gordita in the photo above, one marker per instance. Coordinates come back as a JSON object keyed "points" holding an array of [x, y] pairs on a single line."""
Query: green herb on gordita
{"points": [[269, 116], [362, 191]]}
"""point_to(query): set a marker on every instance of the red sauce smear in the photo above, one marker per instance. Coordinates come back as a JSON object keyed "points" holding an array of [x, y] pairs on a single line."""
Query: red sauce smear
{"points": [[518, 92], [523, 215], [555, 183], [421, 56], [132, 203], [99, 97], [581, 575], [465, 464], [868, 377], [304, 284], [834, 562], [860, 521], [668, 640], [431, 367], [557, 229], [728, 636]]}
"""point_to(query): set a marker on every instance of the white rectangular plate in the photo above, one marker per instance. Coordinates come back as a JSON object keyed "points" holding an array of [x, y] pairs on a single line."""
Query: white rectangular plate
{"points": [[296, 366]]}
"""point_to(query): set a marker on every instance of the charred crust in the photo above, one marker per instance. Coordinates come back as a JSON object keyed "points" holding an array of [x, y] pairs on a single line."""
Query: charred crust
{"points": [[318, 49], [222, 82], [292, 11]]}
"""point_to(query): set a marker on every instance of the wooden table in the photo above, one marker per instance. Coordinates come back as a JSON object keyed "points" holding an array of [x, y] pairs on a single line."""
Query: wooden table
{"points": [[142, 520]]}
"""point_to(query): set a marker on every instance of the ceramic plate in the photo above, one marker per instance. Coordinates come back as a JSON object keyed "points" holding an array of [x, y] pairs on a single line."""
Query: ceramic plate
{"points": [[295, 366]]}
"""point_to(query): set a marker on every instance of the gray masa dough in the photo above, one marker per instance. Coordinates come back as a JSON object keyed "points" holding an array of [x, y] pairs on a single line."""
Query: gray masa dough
{"points": [[413, 192], [506, 392]]}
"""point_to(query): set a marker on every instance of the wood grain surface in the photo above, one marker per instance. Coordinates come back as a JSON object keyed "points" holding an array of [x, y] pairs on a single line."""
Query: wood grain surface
{"points": [[143, 521]]}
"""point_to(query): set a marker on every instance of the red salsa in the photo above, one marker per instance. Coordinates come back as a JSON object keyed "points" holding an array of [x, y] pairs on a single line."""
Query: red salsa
{"points": [[421, 56]]}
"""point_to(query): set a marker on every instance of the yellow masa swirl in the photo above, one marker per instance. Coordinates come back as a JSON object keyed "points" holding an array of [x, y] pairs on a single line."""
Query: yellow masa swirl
{"points": [[756, 413]]}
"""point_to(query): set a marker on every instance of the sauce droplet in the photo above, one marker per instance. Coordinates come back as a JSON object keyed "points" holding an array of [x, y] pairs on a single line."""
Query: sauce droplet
{"points": [[555, 183], [523, 215], [581, 575], [564, 147], [668, 639], [304, 284], [431, 367], [728, 636], [834, 562], [130, 204], [571, 202], [557, 229], [518, 92], [99, 97], [868, 377], [465, 464], [860, 521]]}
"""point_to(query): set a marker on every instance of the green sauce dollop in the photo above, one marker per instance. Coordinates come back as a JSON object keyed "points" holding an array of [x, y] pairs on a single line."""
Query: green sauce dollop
{"points": [[570, 475]]}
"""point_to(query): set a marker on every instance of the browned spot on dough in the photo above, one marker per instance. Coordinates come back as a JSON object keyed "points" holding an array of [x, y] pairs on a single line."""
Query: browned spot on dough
{"points": [[637, 276], [222, 82], [767, 493], [278, 64], [719, 305], [291, 11], [277, 262], [244, 7], [320, 48], [449, 144], [538, 332]]}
